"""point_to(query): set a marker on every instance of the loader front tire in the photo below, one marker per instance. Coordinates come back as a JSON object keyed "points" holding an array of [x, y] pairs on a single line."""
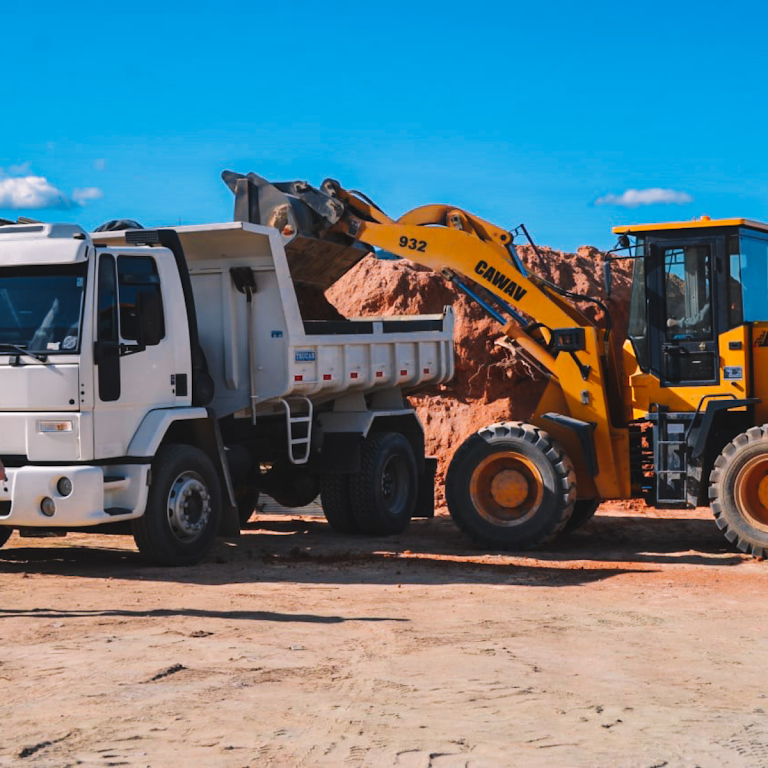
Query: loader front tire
{"points": [[383, 492], [337, 507], [583, 511], [181, 521], [738, 491], [510, 486]]}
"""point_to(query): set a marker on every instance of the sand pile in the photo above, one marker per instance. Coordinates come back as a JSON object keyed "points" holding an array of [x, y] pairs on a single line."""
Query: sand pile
{"points": [[491, 383]]}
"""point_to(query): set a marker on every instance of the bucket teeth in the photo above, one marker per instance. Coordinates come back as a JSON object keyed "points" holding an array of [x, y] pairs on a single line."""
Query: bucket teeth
{"points": [[304, 217]]}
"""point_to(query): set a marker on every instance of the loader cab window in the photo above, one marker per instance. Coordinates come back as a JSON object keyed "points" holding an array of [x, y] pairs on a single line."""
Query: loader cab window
{"points": [[638, 312], [735, 289], [688, 293], [752, 264]]}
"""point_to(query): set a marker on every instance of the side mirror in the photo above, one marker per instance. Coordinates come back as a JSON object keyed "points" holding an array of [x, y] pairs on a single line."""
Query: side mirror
{"points": [[150, 316], [607, 276]]}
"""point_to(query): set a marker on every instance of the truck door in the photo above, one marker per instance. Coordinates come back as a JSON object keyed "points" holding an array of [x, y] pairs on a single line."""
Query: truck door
{"points": [[134, 370], [685, 304]]}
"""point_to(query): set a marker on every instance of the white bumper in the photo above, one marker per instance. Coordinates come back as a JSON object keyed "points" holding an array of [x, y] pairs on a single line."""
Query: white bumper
{"points": [[99, 495]]}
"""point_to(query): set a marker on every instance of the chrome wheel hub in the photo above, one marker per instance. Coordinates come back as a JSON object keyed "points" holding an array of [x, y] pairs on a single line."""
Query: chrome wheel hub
{"points": [[189, 506]]}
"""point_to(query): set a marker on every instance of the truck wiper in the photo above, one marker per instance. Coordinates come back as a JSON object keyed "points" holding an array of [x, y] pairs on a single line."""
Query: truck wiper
{"points": [[22, 351]]}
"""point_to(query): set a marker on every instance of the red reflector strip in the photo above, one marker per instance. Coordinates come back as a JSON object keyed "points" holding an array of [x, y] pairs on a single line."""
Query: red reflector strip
{"points": [[379, 374], [353, 375], [326, 377], [403, 372], [298, 377], [426, 370]]}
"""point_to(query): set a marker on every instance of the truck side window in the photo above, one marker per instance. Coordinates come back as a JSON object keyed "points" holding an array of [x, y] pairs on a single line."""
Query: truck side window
{"points": [[139, 288], [108, 349], [107, 330]]}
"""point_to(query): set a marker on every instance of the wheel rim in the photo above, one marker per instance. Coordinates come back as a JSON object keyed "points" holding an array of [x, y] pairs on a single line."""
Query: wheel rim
{"points": [[751, 491], [506, 488], [189, 507], [394, 483]]}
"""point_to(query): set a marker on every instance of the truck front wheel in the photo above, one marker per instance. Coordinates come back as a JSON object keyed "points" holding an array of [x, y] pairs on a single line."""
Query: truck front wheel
{"points": [[383, 492], [5, 534], [510, 486], [183, 512]]}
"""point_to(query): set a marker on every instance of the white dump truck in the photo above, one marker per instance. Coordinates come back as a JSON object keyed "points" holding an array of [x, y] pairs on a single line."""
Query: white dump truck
{"points": [[156, 380]]}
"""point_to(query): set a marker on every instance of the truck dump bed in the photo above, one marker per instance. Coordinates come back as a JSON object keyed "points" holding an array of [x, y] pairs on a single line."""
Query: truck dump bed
{"points": [[286, 355]]}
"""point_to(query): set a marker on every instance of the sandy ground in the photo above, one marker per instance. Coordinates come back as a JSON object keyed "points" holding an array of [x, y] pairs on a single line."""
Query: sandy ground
{"points": [[638, 641]]}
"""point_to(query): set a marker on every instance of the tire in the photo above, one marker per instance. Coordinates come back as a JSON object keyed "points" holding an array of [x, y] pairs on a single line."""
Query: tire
{"points": [[337, 507], [383, 492], [247, 499], [738, 491], [510, 487], [165, 534], [583, 511], [5, 534]]}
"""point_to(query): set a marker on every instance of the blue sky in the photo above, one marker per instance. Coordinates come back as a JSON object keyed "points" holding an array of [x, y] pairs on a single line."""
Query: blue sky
{"points": [[544, 113]]}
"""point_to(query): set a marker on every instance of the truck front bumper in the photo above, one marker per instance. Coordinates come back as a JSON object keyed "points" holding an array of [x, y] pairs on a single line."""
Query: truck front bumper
{"points": [[27, 491]]}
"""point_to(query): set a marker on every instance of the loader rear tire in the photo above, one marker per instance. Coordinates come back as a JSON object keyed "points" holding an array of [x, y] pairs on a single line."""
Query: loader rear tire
{"points": [[583, 511], [383, 492], [337, 507], [510, 486], [738, 491]]}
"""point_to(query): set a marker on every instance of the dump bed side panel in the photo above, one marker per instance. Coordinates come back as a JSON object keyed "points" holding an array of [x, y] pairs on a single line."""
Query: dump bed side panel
{"points": [[318, 359]]}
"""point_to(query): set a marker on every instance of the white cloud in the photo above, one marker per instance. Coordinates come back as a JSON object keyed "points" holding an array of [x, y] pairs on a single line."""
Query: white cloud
{"points": [[82, 196], [633, 198], [20, 189], [99, 163], [32, 192]]}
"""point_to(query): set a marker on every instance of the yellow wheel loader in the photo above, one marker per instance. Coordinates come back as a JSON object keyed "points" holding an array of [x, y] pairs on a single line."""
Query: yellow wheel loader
{"points": [[681, 420]]}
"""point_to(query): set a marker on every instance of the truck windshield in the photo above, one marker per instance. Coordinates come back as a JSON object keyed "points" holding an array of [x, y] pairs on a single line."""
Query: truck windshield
{"points": [[41, 307]]}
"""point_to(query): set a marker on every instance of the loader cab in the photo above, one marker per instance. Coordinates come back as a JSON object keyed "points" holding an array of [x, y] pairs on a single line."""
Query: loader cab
{"points": [[699, 292]]}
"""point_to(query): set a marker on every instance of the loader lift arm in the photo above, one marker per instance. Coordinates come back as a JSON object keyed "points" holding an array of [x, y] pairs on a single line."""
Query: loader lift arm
{"points": [[537, 317]]}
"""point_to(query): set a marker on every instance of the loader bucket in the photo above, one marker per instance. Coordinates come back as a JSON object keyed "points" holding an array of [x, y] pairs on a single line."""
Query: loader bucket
{"points": [[303, 216]]}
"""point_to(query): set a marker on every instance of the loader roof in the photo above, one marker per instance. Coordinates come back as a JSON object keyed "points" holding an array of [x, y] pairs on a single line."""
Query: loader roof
{"points": [[703, 223]]}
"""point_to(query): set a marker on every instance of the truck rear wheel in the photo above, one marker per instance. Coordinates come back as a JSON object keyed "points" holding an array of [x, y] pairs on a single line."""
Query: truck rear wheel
{"points": [[383, 492], [583, 511], [183, 513], [738, 491], [337, 506], [510, 486]]}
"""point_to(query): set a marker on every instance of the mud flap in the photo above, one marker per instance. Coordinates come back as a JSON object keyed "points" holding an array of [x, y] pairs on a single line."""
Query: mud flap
{"points": [[425, 496]]}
